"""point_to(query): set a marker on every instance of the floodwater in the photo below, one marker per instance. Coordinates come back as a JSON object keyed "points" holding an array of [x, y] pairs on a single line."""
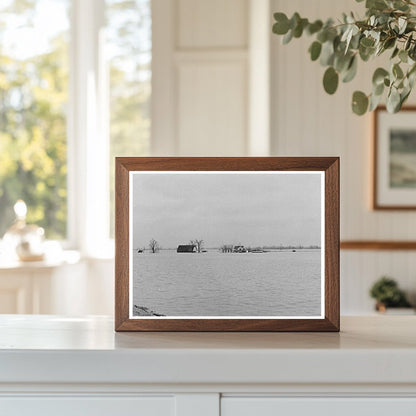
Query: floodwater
{"points": [[277, 283]]}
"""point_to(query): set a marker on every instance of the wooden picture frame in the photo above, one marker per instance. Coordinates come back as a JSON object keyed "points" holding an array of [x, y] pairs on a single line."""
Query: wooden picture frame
{"points": [[394, 184], [277, 167]]}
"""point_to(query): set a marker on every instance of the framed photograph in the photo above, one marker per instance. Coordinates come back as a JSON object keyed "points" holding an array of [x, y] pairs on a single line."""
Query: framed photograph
{"points": [[394, 179], [227, 244]]}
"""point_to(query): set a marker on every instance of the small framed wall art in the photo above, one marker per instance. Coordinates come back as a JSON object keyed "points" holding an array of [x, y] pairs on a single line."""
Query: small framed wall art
{"points": [[227, 244], [394, 177]]}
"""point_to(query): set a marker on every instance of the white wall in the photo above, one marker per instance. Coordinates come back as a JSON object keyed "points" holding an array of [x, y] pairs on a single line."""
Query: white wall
{"points": [[200, 77], [308, 122]]}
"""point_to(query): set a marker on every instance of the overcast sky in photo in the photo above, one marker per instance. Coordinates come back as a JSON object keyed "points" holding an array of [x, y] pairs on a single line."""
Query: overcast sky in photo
{"points": [[249, 209]]}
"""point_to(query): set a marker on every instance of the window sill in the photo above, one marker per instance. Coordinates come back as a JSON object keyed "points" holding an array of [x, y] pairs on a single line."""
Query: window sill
{"points": [[64, 257]]}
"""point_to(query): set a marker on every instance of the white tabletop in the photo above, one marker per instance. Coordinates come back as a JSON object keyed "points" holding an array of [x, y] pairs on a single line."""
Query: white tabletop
{"points": [[46, 349]]}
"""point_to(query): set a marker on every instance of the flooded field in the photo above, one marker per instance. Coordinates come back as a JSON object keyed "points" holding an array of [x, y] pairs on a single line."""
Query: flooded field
{"points": [[276, 283]]}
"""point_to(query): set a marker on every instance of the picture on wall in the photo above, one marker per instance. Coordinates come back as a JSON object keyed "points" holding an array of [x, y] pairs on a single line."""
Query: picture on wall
{"points": [[233, 249], [394, 159]]}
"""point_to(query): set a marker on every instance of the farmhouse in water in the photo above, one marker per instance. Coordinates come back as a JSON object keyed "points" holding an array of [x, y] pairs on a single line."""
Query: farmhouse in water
{"points": [[186, 248]]}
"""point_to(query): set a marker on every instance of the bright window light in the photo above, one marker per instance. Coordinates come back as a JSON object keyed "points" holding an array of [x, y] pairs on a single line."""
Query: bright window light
{"points": [[33, 102]]}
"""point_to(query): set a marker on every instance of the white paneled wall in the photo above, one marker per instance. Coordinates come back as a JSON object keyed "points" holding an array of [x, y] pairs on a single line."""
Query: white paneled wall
{"points": [[212, 103], [203, 67], [212, 24], [308, 122]]}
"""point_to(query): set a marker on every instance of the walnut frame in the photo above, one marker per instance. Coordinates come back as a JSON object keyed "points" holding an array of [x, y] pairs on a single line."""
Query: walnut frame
{"points": [[329, 165]]}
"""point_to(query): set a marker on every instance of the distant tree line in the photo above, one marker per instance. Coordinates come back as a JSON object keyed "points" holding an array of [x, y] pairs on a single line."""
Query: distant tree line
{"points": [[229, 248], [155, 247]]}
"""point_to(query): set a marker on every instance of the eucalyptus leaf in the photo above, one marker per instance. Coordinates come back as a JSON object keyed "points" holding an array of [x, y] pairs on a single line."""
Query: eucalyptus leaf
{"points": [[367, 42], [411, 78], [374, 101], [294, 20], [376, 4], [330, 80], [327, 53], [378, 89], [366, 53], [341, 62], [403, 56], [350, 73], [393, 101], [402, 22], [315, 50], [379, 75], [314, 27], [322, 36], [298, 30], [404, 96], [281, 26], [359, 103], [411, 71], [288, 37], [397, 71], [400, 5], [408, 42], [395, 52], [412, 52], [389, 43]]}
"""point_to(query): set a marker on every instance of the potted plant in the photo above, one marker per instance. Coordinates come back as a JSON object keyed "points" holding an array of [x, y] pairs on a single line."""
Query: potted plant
{"points": [[387, 294], [389, 27]]}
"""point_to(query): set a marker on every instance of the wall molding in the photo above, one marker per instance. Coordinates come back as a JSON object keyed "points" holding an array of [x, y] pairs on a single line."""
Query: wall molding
{"points": [[378, 245]]}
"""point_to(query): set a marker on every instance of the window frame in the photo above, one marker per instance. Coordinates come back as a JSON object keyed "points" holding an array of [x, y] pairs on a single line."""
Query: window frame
{"points": [[87, 133]]}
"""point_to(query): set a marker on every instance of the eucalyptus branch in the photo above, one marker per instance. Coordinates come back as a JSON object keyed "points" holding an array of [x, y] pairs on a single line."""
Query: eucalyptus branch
{"points": [[388, 25]]}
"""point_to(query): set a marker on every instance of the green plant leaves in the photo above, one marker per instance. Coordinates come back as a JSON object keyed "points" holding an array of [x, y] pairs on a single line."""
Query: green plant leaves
{"points": [[315, 50], [379, 75], [397, 71], [327, 53], [376, 4], [351, 71], [403, 56], [387, 291], [359, 103], [330, 80], [281, 27], [314, 27], [339, 44], [393, 100]]}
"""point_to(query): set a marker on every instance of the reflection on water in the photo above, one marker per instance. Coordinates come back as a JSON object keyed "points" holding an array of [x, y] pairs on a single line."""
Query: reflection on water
{"points": [[228, 284]]}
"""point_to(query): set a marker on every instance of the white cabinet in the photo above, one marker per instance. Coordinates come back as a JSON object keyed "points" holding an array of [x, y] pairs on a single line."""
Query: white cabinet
{"points": [[79, 366], [88, 406], [262, 406]]}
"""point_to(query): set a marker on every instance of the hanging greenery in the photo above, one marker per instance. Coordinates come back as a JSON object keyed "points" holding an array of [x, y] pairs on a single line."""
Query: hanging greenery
{"points": [[389, 27]]}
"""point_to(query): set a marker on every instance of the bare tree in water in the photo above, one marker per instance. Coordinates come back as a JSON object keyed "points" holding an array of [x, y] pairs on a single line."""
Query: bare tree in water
{"points": [[198, 244], [154, 246]]}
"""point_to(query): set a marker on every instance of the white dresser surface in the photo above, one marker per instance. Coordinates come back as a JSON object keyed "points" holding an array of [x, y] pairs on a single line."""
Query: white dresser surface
{"points": [[52, 349]]}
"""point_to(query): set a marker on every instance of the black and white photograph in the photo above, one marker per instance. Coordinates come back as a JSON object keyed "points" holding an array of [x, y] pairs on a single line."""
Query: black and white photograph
{"points": [[226, 244]]}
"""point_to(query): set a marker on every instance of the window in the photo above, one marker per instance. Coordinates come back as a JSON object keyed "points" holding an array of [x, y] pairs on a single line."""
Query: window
{"points": [[33, 98], [75, 88]]}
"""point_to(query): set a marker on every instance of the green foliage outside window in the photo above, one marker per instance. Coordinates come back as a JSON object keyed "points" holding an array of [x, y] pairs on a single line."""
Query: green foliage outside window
{"points": [[33, 99]]}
